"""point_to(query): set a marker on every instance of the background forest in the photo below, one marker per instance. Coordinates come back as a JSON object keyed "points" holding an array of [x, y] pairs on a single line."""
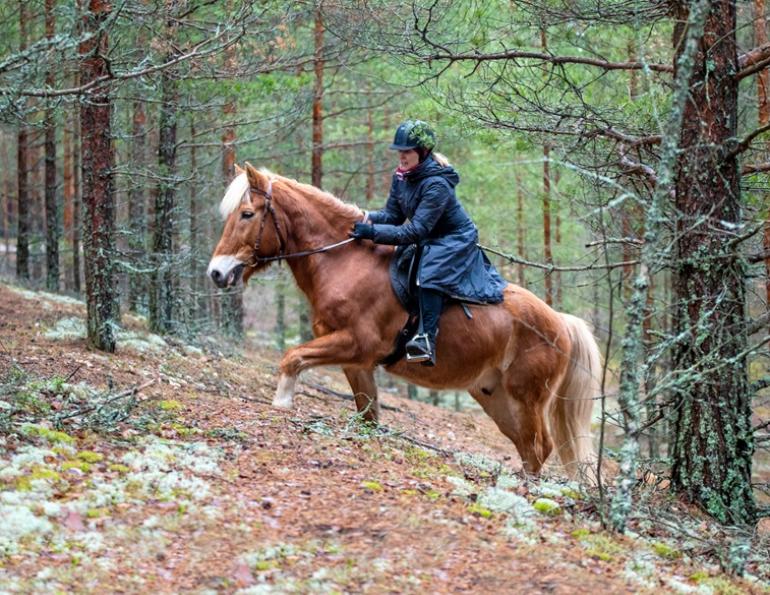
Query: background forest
{"points": [[613, 154]]}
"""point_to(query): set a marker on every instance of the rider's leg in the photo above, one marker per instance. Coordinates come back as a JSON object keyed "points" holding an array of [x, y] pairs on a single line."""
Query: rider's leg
{"points": [[422, 347]]}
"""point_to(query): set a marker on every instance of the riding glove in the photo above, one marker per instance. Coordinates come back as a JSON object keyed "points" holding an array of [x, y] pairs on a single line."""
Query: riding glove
{"points": [[362, 231]]}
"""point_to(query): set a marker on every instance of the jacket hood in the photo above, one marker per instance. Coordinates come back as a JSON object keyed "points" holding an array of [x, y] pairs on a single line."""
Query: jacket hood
{"points": [[430, 167]]}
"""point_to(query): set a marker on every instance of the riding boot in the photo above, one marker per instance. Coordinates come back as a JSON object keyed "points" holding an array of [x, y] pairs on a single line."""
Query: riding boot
{"points": [[422, 347]]}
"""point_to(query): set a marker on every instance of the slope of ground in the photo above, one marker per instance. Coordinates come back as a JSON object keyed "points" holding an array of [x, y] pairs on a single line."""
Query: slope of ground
{"points": [[162, 468]]}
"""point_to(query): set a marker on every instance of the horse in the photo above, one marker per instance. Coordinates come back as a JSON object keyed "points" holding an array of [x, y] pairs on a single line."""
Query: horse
{"points": [[533, 370]]}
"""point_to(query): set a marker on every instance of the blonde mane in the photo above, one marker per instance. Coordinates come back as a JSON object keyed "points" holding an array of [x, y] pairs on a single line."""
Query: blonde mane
{"points": [[326, 200], [234, 195], [238, 191]]}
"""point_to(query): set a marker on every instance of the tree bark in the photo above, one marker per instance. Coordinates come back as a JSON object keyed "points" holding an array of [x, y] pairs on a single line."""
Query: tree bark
{"points": [[521, 228], [22, 170], [763, 87], [51, 208], [77, 201], [712, 444], [137, 209], [7, 181], [547, 253], [68, 189], [98, 185], [162, 308], [231, 318], [318, 90]]}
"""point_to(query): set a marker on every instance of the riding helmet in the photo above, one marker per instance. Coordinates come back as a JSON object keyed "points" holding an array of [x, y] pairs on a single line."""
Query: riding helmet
{"points": [[414, 134]]}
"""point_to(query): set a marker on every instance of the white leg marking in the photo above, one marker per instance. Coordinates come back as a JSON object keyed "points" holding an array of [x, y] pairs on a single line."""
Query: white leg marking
{"points": [[284, 394]]}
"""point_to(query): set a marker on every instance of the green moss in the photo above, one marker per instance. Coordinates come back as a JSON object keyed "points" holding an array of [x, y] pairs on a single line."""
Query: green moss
{"points": [[666, 551], [409, 492], [24, 484], [476, 508], [432, 495], [601, 547], [722, 586], [81, 465], [263, 565], [169, 405], [580, 533], [53, 436], [183, 430], [699, 576], [95, 513], [547, 507], [89, 456], [374, 486], [119, 468]]}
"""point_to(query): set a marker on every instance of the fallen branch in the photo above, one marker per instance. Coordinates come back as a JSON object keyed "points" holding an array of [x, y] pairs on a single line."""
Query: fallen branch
{"points": [[121, 395]]}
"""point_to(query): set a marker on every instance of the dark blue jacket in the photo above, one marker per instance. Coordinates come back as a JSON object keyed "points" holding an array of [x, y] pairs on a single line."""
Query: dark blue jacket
{"points": [[422, 209]]}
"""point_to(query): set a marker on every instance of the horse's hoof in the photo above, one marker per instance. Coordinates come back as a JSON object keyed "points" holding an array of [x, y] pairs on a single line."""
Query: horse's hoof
{"points": [[286, 405]]}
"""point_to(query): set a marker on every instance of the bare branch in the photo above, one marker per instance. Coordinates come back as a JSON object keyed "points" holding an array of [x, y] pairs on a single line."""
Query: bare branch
{"points": [[544, 57]]}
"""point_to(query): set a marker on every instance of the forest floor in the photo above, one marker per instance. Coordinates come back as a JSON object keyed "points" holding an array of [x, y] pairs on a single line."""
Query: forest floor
{"points": [[163, 468]]}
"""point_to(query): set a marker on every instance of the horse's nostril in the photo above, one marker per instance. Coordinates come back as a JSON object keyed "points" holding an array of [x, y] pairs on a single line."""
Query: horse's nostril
{"points": [[216, 276]]}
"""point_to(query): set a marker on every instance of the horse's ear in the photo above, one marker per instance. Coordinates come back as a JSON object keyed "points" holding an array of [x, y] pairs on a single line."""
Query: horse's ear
{"points": [[238, 169], [256, 178]]}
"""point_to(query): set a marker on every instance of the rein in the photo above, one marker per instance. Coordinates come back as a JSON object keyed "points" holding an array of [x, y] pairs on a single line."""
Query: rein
{"points": [[269, 210]]}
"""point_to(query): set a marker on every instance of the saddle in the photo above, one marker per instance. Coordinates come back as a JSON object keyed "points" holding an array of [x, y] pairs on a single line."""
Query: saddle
{"points": [[403, 278]]}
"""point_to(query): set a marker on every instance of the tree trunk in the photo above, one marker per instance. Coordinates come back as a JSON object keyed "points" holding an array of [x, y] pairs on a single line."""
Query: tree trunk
{"points": [[137, 209], [712, 441], [232, 310], [77, 200], [197, 303], [548, 256], [68, 189], [369, 147], [162, 289], [763, 87], [521, 228], [7, 181], [98, 187], [318, 90], [22, 173], [51, 210]]}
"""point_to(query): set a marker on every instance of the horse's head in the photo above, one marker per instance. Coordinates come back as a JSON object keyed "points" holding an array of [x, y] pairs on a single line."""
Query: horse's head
{"points": [[251, 228]]}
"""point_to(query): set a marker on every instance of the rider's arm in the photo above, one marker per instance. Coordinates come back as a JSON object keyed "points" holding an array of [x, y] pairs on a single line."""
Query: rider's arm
{"points": [[392, 213], [435, 196]]}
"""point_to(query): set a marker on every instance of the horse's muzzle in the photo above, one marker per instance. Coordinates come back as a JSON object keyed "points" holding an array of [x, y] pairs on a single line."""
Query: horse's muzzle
{"points": [[226, 278]]}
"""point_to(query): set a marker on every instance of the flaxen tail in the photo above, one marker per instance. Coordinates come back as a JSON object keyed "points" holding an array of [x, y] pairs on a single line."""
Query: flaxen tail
{"points": [[574, 402]]}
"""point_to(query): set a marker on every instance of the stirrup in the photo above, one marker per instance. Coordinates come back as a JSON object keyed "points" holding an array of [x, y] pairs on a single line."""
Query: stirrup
{"points": [[418, 349]]}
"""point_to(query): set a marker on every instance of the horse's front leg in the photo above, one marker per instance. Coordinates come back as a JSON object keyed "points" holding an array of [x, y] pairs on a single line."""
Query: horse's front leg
{"points": [[364, 391], [337, 348]]}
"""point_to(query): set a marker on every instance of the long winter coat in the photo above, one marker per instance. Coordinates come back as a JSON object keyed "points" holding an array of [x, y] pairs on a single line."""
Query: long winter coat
{"points": [[422, 209]]}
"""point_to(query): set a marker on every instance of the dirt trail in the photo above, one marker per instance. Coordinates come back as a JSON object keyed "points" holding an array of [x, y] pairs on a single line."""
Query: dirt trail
{"points": [[206, 488]]}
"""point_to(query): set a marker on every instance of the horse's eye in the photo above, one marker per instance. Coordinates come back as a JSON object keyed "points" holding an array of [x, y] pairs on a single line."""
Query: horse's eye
{"points": [[247, 214]]}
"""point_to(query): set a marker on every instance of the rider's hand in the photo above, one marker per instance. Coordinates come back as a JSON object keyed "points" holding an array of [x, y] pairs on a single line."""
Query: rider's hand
{"points": [[362, 231]]}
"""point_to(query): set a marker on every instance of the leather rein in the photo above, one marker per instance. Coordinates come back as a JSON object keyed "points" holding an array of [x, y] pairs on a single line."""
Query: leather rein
{"points": [[270, 211]]}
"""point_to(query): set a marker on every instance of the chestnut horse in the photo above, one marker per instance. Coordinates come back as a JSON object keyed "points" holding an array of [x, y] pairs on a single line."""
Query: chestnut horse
{"points": [[533, 370]]}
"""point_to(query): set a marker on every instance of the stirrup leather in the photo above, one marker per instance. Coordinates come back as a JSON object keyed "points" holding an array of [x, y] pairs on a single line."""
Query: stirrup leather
{"points": [[418, 349]]}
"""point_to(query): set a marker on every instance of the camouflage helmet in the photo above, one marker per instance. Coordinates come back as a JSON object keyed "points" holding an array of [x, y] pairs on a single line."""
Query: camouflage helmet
{"points": [[414, 134]]}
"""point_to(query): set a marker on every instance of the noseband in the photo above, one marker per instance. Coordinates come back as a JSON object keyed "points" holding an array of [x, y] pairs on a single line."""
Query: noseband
{"points": [[270, 211]]}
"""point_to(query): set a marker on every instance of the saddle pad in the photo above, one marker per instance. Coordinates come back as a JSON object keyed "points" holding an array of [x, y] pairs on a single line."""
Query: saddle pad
{"points": [[400, 268]]}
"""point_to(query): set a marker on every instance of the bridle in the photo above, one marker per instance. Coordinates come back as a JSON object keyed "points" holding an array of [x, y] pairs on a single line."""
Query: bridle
{"points": [[269, 211]]}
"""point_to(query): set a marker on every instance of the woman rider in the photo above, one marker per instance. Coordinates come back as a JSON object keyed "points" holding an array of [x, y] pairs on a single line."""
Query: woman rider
{"points": [[422, 209]]}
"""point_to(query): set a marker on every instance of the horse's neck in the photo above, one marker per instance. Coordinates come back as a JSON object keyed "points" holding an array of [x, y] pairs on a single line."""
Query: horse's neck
{"points": [[310, 226]]}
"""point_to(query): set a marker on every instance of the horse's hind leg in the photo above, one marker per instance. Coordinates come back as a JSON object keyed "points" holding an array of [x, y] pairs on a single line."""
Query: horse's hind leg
{"points": [[523, 421], [364, 391]]}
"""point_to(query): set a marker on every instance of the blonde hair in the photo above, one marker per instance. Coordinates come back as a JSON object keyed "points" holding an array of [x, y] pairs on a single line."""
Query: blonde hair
{"points": [[440, 159]]}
